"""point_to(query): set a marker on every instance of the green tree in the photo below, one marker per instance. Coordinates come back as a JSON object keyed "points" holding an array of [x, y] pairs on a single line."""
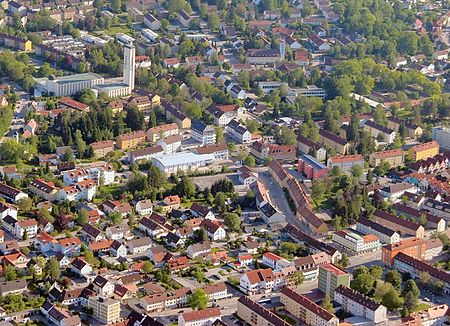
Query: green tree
{"points": [[391, 299], [394, 277], [25, 204], [52, 269], [147, 267], [116, 218], [198, 300], [80, 144], [326, 304], [9, 273], [285, 136], [376, 272], [185, 187], [344, 261], [213, 21], [83, 216], [250, 161], [233, 222], [363, 283], [297, 278]]}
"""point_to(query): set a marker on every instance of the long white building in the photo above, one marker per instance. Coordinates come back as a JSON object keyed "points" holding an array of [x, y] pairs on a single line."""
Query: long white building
{"points": [[182, 161]]}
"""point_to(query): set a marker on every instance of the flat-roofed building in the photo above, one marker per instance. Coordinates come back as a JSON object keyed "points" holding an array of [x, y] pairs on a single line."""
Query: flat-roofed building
{"points": [[355, 243], [106, 310], [306, 310], [182, 161], [330, 277], [312, 168], [70, 85]]}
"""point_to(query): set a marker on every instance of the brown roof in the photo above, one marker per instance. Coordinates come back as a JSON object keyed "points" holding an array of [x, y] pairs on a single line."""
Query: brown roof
{"points": [[425, 146], [163, 128], [131, 135], [260, 275], [201, 314], [388, 153], [308, 304], [272, 318], [209, 149], [358, 297], [102, 144]]}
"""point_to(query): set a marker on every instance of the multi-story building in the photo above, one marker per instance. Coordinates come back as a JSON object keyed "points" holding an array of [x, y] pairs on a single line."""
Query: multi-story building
{"points": [[167, 300], [255, 314], [330, 140], [219, 151], [400, 225], [144, 153], [359, 305], [432, 221], [395, 157], [201, 317], [312, 168], [156, 133], [262, 56], [130, 140], [345, 163], [106, 310], [330, 277], [355, 243], [415, 267], [436, 315], [258, 281], [239, 132], [442, 136], [413, 247], [378, 131], [306, 146], [102, 148], [11, 194], [424, 151], [204, 134], [305, 310], [282, 153], [27, 227], [170, 144], [386, 235], [44, 189]]}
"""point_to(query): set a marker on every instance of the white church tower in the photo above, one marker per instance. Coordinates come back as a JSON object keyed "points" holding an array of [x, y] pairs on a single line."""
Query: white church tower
{"points": [[129, 54]]}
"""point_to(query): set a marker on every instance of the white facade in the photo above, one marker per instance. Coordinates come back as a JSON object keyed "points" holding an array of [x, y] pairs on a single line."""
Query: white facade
{"points": [[384, 238], [442, 136], [70, 85], [354, 243], [129, 55], [356, 308], [182, 161]]}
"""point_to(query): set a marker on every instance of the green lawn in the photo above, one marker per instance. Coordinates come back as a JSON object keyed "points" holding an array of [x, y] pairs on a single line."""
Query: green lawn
{"points": [[118, 29]]}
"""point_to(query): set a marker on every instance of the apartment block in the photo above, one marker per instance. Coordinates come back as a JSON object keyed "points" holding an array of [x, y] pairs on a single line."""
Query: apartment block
{"points": [[330, 277], [414, 247], [424, 151], [106, 310]]}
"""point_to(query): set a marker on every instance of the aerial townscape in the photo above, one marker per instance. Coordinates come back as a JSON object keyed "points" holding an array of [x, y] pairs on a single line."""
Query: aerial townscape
{"points": [[225, 162]]}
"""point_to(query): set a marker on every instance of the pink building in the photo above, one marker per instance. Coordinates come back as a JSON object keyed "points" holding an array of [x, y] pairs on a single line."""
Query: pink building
{"points": [[311, 168]]}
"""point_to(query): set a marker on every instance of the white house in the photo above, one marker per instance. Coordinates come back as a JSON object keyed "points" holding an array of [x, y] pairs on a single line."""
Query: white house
{"points": [[144, 207], [214, 231], [170, 144]]}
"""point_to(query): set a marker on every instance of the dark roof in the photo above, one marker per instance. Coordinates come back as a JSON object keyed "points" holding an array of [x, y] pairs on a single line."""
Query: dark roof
{"points": [[358, 297], [379, 127], [423, 267], [375, 226], [332, 137], [301, 236], [272, 318], [397, 220], [402, 208], [91, 230], [308, 304]]}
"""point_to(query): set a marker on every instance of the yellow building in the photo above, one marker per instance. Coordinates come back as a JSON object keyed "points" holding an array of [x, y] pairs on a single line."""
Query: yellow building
{"points": [[15, 42], [131, 139], [106, 310], [424, 151]]}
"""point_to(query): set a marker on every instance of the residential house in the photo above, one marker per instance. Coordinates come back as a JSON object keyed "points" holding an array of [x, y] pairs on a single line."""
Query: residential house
{"points": [[386, 235], [306, 146], [11, 194], [170, 144], [214, 230], [402, 226], [255, 314], [423, 151], [311, 168], [144, 207], [130, 140], [395, 158], [339, 144], [196, 250], [346, 163], [139, 246], [239, 132], [380, 132], [202, 133], [201, 317], [156, 133], [360, 305]]}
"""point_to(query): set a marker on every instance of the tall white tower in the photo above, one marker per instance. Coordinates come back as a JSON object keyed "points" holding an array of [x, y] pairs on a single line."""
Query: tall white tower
{"points": [[282, 48], [129, 54]]}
